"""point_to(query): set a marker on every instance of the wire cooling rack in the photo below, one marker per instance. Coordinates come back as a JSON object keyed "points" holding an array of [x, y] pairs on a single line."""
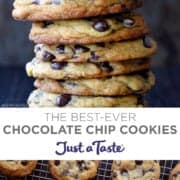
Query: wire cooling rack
{"points": [[104, 171]]}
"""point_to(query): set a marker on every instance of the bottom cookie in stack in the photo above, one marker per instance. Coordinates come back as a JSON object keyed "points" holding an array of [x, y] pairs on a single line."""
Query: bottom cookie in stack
{"points": [[39, 98], [115, 91]]}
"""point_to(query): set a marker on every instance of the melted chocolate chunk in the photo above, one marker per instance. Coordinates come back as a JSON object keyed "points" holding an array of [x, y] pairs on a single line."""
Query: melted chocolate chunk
{"points": [[124, 172], [101, 44], [56, 2], [147, 42], [118, 18], [114, 174], [60, 49], [46, 24], [93, 57], [150, 170], [81, 165], [47, 56], [36, 2], [57, 162], [76, 176], [73, 84], [62, 81], [58, 65], [80, 49], [106, 67], [24, 163], [80, 162], [140, 100], [144, 74], [65, 172], [63, 100], [138, 162], [101, 25], [176, 174]]}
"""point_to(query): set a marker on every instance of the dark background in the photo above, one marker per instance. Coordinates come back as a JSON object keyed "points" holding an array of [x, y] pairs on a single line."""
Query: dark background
{"points": [[162, 16]]}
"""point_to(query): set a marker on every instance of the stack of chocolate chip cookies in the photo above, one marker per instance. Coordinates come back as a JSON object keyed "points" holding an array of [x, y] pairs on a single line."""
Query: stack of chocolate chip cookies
{"points": [[88, 53]]}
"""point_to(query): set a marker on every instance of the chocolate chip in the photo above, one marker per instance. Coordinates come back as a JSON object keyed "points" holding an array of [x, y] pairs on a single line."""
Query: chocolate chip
{"points": [[81, 165], [138, 162], [80, 49], [24, 163], [36, 2], [60, 49], [80, 161], [128, 22], [101, 44], [124, 172], [101, 26], [47, 56], [106, 67], [93, 57], [176, 174], [46, 24], [140, 100], [150, 170], [63, 100], [56, 2], [58, 65], [65, 172], [147, 42], [144, 74], [57, 162]]}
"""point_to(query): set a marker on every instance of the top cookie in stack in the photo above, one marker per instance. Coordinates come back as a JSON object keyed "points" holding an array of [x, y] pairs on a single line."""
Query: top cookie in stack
{"points": [[101, 60], [42, 10]]}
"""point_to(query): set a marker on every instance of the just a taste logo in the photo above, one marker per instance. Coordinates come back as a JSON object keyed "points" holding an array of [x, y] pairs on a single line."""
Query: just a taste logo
{"points": [[98, 147]]}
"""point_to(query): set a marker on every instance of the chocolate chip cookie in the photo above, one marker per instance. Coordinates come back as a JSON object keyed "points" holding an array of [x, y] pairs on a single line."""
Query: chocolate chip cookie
{"points": [[175, 173], [100, 52], [135, 170], [88, 31], [63, 70], [17, 168], [40, 98], [38, 10], [112, 86], [72, 170]]}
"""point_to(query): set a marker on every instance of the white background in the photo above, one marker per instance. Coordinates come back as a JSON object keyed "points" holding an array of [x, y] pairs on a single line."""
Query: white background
{"points": [[44, 146]]}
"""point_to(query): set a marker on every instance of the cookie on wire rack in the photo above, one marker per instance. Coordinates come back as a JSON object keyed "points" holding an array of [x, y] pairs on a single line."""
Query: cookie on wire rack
{"points": [[135, 170], [17, 168], [70, 170], [175, 173]]}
